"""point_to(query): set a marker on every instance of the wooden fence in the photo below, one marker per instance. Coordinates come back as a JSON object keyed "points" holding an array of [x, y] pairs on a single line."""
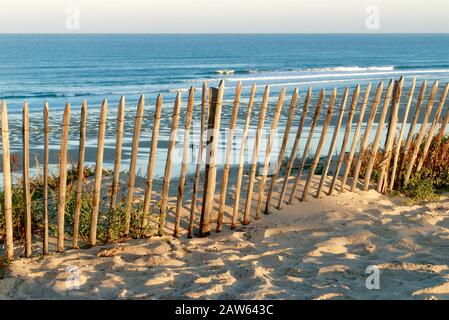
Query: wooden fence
{"points": [[402, 154]]}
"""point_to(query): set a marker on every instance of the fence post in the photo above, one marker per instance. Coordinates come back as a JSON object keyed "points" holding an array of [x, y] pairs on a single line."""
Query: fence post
{"points": [[117, 163], [80, 175], [132, 164], [230, 140], [411, 131], [235, 209], [401, 134], [215, 106], [383, 177], [26, 178], [45, 180], [380, 126], [255, 157], [199, 161], [355, 100], [366, 135], [295, 147], [63, 177], [9, 241], [306, 148], [443, 127], [98, 174], [422, 132], [185, 155], [432, 128], [333, 142], [167, 173], [356, 138], [291, 113], [316, 158], [266, 163], [152, 161]]}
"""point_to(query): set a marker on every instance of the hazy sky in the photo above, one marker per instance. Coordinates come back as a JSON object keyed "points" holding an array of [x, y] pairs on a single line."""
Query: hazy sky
{"points": [[228, 16]]}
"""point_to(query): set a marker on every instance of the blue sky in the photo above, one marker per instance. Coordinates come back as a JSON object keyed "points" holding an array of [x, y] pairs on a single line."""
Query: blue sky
{"points": [[226, 16]]}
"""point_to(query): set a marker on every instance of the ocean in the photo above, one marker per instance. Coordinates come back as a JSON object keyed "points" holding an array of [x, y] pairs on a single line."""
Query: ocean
{"points": [[70, 68]]}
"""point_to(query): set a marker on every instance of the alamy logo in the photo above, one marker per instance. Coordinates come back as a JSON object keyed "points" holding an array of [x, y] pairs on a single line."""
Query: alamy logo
{"points": [[372, 21], [73, 280], [373, 280], [72, 21]]}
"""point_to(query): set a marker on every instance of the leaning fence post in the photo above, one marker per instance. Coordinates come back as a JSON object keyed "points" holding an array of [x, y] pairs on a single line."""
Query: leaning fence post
{"points": [[98, 174], [9, 241], [196, 181], [333, 142], [356, 138], [152, 161], [355, 100], [80, 175], [422, 132], [443, 127], [230, 140], [63, 177], [316, 158], [266, 163], [432, 128], [380, 126], [168, 163], [117, 163], [295, 147], [26, 178], [306, 148], [383, 176], [132, 165], [185, 155], [255, 157], [401, 134], [235, 209], [45, 180], [216, 102], [291, 113], [366, 135]]}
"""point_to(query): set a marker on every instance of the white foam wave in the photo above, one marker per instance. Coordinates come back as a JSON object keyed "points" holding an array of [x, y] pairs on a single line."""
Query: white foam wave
{"points": [[353, 69], [225, 71]]}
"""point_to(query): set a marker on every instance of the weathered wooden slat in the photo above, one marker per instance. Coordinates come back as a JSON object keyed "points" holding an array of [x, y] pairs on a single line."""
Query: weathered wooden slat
{"points": [[316, 158], [266, 163], [216, 102], [7, 189], [422, 132], [230, 141], [132, 165], [399, 142], [355, 140], [295, 148], [235, 209], [98, 174], [117, 163], [366, 135], [291, 113], [255, 157], [80, 175], [306, 147], [355, 100], [411, 131], [26, 178], [168, 164], [185, 156], [45, 249], [387, 154], [63, 177], [442, 129], [151, 162], [379, 130], [430, 134], [196, 181], [333, 142]]}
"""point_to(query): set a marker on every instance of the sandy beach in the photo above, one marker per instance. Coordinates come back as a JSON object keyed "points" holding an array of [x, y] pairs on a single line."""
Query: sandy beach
{"points": [[318, 249]]}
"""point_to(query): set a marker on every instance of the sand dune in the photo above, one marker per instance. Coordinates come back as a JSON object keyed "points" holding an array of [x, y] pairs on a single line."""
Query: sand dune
{"points": [[314, 250]]}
